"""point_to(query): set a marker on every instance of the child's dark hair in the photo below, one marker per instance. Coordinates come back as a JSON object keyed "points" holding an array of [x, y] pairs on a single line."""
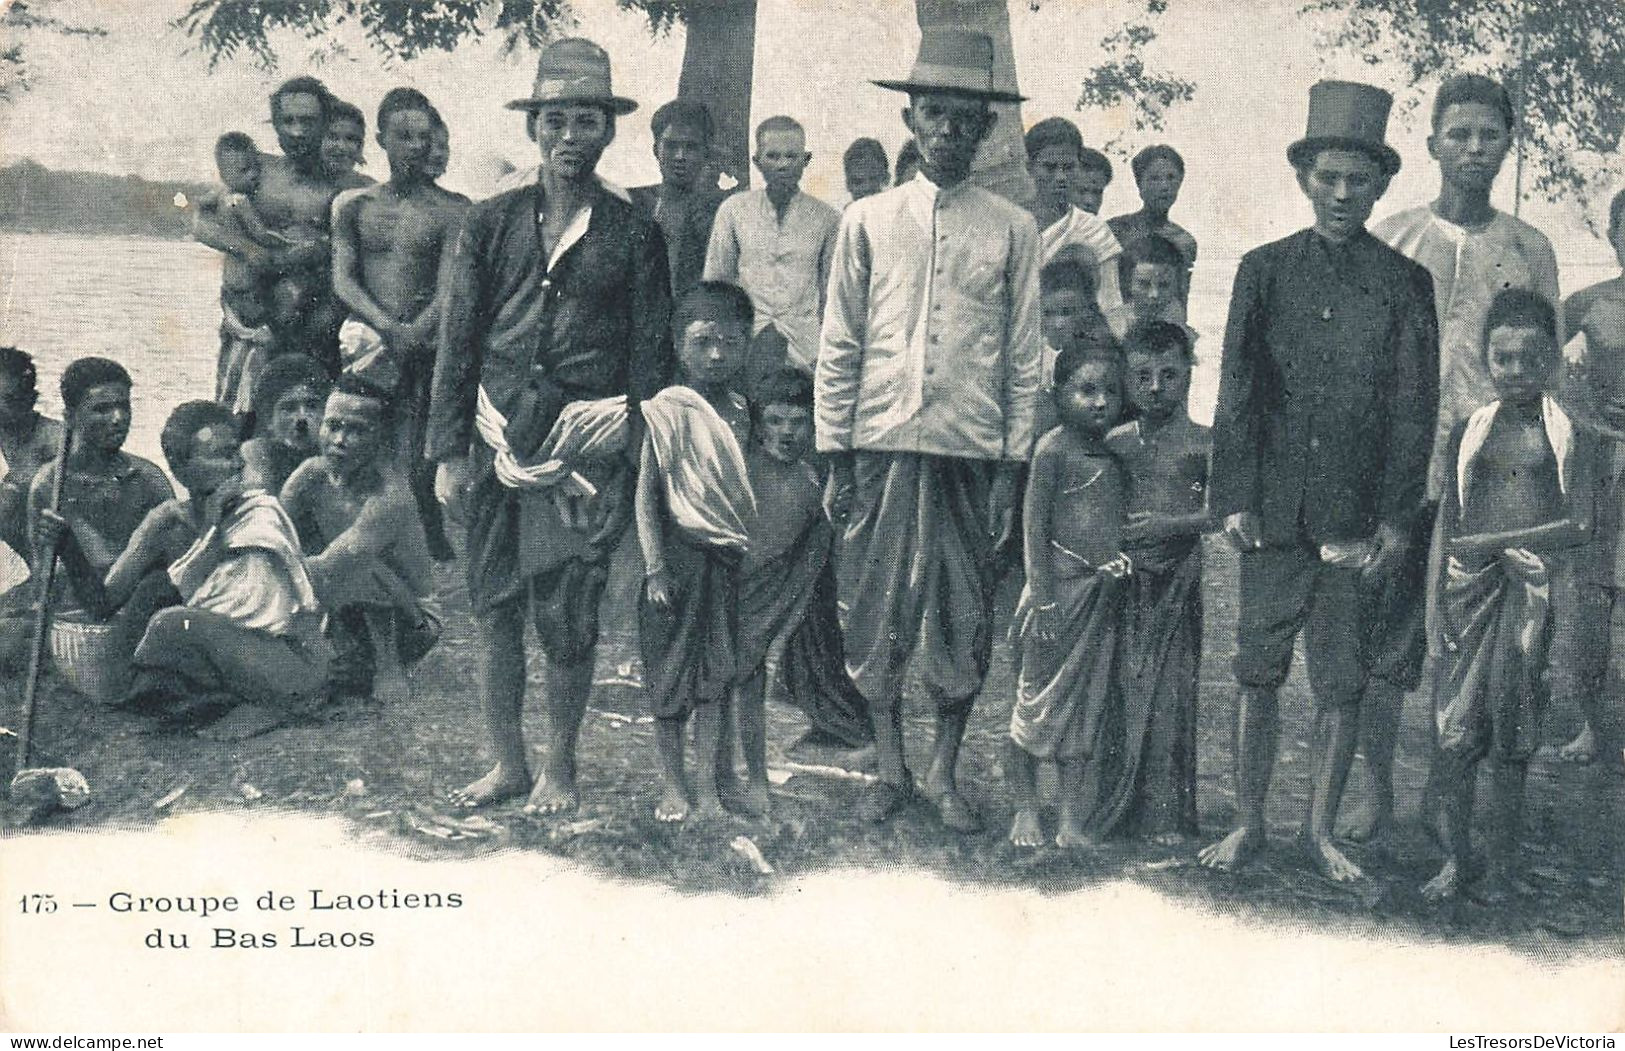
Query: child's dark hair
{"points": [[19, 365], [355, 387], [1160, 337], [1521, 308], [1143, 160], [1053, 131], [84, 373], [1157, 251], [181, 429], [1473, 87], [1067, 272], [688, 113], [280, 375], [235, 142], [865, 150], [1068, 361], [787, 386], [1092, 160], [713, 299]]}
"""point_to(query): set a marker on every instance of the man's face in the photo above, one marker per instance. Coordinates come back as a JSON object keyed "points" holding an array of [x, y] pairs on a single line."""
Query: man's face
{"points": [[1159, 185], [352, 432], [341, 145], [1066, 314], [439, 152], [216, 459], [239, 170], [297, 119], [948, 129], [407, 137], [682, 151], [1089, 190], [1470, 143], [17, 399], [1090, 399], [572, 137], [781, 157], [1343, 186], [1521, 362], [787, 431], [1158, 384], [713, 352], [296, 416], [1151, 287], [1054, 170], [102, 418], [866, 178]]}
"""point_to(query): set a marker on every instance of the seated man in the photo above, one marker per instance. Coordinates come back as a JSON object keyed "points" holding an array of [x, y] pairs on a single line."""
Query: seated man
{"points": [[366, 550], [247, 639], [288, 403], [28, 441]]}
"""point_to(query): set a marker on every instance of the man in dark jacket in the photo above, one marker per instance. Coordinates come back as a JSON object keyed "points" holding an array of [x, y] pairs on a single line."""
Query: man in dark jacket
{"points": [[558, 293], [1327, 400]]}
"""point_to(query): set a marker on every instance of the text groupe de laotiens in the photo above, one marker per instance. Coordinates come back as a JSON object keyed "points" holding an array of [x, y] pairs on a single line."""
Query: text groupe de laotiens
{"points": [[203, 905]]}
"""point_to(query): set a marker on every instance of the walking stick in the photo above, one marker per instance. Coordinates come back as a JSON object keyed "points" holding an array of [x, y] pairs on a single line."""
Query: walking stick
{"points": [[46, 574]]}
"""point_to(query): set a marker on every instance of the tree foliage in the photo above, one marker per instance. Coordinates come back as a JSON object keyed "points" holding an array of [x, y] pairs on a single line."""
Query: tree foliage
{"points": [[20, 21], [1124, 79]]}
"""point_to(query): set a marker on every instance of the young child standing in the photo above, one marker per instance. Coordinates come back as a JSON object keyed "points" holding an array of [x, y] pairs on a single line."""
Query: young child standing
{"points": [[694, 511], [1518, 506], [1154, 269], [1146, 768], [1067, 620], [246, 340]]}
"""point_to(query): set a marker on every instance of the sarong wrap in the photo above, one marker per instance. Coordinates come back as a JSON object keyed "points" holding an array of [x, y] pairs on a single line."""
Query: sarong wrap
{"points": [[243, 353]]}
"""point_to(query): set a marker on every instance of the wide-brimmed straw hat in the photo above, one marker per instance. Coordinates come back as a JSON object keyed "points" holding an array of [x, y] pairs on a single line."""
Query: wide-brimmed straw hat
{"points": [[957, 61], [574, 70], [1347, 115]]}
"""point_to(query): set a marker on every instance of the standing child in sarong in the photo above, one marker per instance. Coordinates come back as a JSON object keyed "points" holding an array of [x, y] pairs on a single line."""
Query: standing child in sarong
{"points": [[1518, 505], [694, 513], [1146, 766], [1067, 621]]}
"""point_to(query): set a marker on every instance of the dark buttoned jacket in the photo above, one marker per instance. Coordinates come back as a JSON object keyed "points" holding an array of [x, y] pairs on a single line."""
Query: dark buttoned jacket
{"points": [[595, 324], [1328, 389]]}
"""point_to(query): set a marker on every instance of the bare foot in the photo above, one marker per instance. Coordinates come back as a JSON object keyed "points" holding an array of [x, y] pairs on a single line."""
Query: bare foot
{"points": [[709, 808], [1025, 830], [1331, 862], [1445, 885], [1372, 825], [1583, 749], [241, 723], [755, 799], [497, 785], [956, 813], [673, 807], [1231, 852], [553, 793], [1071, 836]]}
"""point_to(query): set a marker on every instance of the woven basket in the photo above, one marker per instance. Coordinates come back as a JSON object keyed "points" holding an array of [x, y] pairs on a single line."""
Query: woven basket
{"points": [[88, 658]]}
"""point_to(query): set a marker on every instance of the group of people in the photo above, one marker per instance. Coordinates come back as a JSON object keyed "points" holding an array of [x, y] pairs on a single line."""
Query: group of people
{"points": [[833, 433]]}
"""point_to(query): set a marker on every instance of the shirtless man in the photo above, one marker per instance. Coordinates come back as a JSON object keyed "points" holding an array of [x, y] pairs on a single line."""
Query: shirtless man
{"points": [[388, 240]]}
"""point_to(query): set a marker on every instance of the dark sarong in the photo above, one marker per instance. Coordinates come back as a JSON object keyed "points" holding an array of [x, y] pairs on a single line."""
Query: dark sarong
{"points": [[1145, 769], [690, 654], [187, 652]]}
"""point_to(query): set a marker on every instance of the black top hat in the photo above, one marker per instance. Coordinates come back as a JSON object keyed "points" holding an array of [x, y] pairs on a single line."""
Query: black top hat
{"points": [[956, 61], [1347, 115]]}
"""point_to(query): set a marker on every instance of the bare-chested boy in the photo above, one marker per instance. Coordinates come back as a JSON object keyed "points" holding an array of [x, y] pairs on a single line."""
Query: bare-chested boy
{"points": [[1518, 507], [364, 546], [288, 401], [1067, 622], [342, 143], [388, 242]]}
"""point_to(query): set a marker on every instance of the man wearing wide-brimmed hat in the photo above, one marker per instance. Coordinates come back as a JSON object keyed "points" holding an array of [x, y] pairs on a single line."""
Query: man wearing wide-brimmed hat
{"points": [[1327, 396], [926, 385], [558, 292]]}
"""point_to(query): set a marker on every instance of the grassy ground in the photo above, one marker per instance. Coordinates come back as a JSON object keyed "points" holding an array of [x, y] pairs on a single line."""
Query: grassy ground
{"points": [[389, 772]]}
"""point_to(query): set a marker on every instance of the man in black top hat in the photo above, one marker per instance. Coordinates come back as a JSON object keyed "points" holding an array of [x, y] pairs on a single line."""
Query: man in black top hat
{"points": [[1327, 399]]}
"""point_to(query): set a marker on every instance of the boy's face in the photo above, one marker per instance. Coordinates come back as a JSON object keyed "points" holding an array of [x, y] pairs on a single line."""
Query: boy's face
{"points": [[102, 418], [866, 178], [713, 351], [1054, 170], [296, 416], [240, 170], [571, 137], [439, 152], [1089, 190], [1158, 384], [682, 151], [407, 138], [1343, 186], [787, 431], [1151, 287], [341, 145], [1090, 399], [781, 157], [1521, 362], [216, 459], [1066, 314], [1159, 185], [1470, 143], [352, 432]]}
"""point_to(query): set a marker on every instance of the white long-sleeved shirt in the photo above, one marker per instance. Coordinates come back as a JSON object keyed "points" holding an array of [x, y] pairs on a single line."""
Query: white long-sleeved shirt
{"points": [[932, 340]]}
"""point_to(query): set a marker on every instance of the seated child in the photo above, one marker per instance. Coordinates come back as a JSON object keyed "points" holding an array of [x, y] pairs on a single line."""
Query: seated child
{"points": [[288, 402], [246, 339], [787, 591], [694, 507], [1520, 505], [1146, 767], [867, 169], [364, 546], [1066, 624], [1155, 267]]}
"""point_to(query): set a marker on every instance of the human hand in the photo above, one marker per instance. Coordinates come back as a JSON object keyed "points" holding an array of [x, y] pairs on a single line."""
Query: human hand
{"points": [[1042, 622], [1392, 545], [1001, 504], [1117, 568], [1141, 526], [451, 486], [51, 530], [1243, 531], [1531, 565], [838, 489], [661, 591]]}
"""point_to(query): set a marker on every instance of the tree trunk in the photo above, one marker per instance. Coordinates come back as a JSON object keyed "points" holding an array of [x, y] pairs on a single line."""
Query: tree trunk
{"points": [[719, 58], [1001, 164]]}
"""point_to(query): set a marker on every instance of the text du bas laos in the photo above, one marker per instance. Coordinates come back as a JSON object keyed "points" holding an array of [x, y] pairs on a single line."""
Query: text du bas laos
{"points": [[1531, 1043]]}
